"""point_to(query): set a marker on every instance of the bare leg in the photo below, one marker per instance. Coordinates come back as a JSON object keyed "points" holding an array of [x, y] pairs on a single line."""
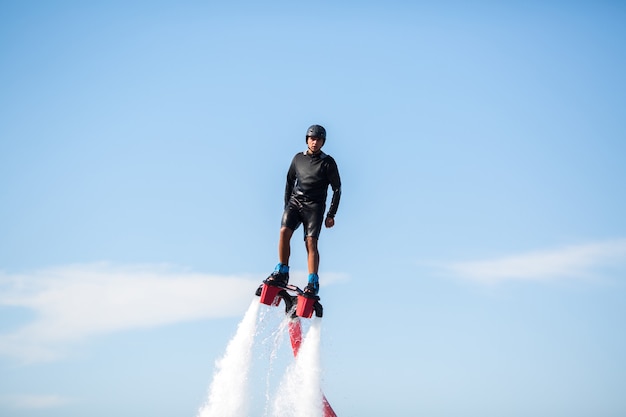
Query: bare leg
{"points": [[284, 245], [313, 255]]}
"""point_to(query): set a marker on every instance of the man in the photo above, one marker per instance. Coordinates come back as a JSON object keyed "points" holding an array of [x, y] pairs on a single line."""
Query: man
{"points": [[310, 174]]}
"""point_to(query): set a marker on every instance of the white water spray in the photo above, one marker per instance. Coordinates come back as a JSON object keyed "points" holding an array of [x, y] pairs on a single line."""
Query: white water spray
{"points": [[300, 392], [228, 394]]}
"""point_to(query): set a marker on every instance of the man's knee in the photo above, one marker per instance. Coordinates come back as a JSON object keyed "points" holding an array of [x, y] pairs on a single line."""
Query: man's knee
{"points": [[286, 233], [311, 243]]}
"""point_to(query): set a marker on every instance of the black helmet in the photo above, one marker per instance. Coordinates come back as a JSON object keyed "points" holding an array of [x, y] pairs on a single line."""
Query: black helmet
{"points": [[316, 131]]}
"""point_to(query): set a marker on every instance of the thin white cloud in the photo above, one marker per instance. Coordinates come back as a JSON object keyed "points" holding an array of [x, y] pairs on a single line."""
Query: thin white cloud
{"points": [[72, 303], [580, 261], [75, 302], [31, 402]]}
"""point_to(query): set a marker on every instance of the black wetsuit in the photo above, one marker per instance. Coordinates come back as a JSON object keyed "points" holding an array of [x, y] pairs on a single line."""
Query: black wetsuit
{"points": [[307, 189]]}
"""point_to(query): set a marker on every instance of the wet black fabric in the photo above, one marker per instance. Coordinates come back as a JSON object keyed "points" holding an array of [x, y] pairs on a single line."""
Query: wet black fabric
{"points": [[306, 192], [307, 213], [309, 177]]}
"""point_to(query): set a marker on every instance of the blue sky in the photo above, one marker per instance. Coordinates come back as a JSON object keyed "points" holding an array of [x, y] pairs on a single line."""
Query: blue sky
{"points": [[477, 264]]}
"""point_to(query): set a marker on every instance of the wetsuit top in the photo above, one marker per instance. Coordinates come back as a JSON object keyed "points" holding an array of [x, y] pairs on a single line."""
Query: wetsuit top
{"points": [[309, 177]]}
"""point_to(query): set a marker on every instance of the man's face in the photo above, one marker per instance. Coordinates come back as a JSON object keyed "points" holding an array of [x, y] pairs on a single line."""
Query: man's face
{"points": [[314, 144]]}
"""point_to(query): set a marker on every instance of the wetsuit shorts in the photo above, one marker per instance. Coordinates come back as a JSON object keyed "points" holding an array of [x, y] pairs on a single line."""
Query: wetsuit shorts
{"points": [[309, 214]]}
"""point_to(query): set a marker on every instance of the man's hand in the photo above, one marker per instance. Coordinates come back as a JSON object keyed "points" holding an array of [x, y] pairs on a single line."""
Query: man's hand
{"points": [[330, 222]]}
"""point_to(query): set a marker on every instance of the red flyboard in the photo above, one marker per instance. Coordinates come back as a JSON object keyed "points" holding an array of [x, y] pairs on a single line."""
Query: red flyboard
{"points": [[270, 295], [305, 306], [295, 334]]}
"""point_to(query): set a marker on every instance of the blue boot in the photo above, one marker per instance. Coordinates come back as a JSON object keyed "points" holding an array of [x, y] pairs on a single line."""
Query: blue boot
{"points": [[280, 276], [313, 287]]}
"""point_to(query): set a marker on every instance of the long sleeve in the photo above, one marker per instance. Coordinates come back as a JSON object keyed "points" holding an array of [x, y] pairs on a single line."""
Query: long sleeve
{"points": [[291, 181], [335, 184]]}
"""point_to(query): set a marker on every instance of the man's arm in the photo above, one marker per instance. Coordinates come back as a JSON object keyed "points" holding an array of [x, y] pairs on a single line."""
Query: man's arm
{"points": [[335, 183], [291, 181]]}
